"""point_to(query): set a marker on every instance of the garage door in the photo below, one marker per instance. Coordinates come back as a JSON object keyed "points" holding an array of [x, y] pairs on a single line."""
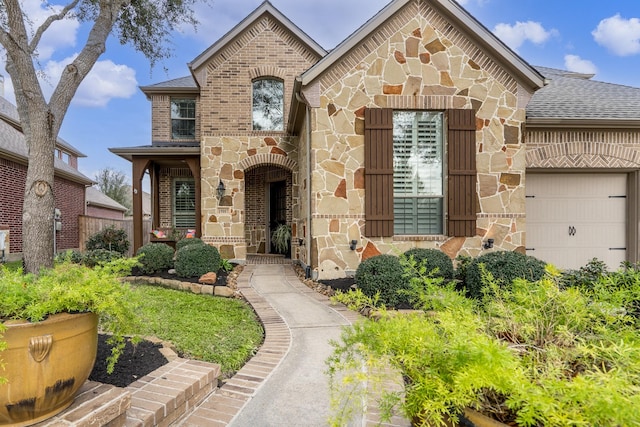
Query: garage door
{"points": [[572, 218]]}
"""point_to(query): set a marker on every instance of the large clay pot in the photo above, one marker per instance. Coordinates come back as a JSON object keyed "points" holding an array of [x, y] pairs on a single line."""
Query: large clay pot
{"points": [[45, 364]]}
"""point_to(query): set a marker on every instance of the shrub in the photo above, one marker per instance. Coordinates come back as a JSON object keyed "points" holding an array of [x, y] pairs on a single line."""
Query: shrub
{"points": [[100, 256], [109, 238], [586, 275], [504, 266], [190, 241], [155, 257], [383, 274], [196, 260], [435, 262], [75, 257]]}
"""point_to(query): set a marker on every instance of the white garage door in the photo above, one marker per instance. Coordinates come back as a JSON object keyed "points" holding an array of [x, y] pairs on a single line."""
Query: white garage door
{"points": [[572, 218]]}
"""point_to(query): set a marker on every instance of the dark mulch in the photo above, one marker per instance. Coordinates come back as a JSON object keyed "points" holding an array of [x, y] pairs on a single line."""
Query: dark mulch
{"points": [[343, 284], [135, 362]]}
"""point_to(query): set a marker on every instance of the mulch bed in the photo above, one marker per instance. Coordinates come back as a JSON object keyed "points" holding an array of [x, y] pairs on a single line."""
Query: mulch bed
{"points": [[222, 276], [343, 284], [134, 363]]}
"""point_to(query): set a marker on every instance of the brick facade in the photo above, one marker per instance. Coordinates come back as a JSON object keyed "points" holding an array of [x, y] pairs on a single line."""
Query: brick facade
{"points": [[70, 199], [98, 212]]}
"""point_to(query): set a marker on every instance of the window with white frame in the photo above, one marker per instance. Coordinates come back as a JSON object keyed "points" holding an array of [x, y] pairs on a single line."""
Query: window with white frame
{"points": [[183, 118], [268, 104], [184, 203], [418, 172]]}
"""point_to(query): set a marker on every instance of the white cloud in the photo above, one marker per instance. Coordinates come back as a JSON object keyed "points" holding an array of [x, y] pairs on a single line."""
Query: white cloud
{"points": [[576, 64], [620, 36], [106, 81], [60, 33], [515, 35]]}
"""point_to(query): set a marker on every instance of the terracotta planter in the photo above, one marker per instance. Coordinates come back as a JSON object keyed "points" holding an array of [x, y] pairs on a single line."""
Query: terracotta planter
{"points": [[45, 364]]}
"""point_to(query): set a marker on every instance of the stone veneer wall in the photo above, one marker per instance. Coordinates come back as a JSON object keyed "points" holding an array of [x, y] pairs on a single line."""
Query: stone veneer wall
{"points": [[416, 60], [229, 158]]}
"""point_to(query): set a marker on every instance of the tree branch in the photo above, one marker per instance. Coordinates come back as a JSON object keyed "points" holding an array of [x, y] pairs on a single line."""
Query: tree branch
{"points": [[47, 23]]}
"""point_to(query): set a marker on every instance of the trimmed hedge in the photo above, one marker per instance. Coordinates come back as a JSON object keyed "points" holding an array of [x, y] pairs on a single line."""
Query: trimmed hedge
{"points": [[504, 266], [196, 260], [432, 259], [155, 257], [190, 241], [99, 256], [383, 274]]}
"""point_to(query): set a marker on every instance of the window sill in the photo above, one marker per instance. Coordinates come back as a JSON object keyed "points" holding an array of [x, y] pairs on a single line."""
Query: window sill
{"points": [[420, 238]]}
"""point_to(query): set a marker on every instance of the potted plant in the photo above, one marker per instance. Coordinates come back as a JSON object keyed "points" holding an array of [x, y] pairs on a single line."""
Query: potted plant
{"points": [[48, 334], [281, 238], [528, 354]]}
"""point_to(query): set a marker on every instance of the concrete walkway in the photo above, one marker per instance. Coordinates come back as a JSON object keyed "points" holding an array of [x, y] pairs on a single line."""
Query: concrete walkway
{"points": [[285, 383]]}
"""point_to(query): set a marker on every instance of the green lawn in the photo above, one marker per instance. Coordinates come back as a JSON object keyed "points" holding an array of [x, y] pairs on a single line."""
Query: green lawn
{"points": [[202, 327]]}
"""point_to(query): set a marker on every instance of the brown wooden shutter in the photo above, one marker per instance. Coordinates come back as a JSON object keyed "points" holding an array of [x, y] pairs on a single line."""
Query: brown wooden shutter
{"points": [[462, 193], [378, 164]]}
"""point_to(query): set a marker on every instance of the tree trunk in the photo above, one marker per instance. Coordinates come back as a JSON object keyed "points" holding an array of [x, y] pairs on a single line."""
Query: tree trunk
{"points": [[39, 202]]}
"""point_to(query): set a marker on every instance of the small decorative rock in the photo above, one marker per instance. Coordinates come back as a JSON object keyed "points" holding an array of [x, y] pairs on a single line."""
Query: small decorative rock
{"points": [[208, 279], [172, 271]]}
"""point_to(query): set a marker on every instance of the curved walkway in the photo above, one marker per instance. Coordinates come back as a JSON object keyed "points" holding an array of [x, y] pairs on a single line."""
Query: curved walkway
{"points": [[285, 383]]}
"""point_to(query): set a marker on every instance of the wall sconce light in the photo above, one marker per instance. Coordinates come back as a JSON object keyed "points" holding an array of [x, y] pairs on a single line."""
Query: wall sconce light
{"points": [[300, 241], [353, 244], [488, 244], [221, 189]]}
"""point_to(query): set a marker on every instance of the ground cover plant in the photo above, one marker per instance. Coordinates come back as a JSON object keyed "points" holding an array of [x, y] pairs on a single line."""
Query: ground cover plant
{"points": [[527, 353]]}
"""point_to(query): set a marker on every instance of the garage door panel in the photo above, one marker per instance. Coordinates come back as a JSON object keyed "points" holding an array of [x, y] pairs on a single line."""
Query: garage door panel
{"points": [[572, 218]]}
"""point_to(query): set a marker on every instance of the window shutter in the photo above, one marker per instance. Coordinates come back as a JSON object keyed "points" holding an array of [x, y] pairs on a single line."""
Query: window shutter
{"points": [[462, 193], [378, 164]]}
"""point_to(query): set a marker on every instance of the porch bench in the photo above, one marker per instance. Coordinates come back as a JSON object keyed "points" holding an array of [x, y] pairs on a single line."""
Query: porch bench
{"points": [[162, 235]]}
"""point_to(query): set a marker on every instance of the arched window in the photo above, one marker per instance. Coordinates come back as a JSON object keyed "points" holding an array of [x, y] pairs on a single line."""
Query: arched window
{"points": [[268, 104]]}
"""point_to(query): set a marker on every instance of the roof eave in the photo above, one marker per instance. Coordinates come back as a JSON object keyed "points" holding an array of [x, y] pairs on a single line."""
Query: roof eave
{"points": [[128, 153], [585, 123], [265, 7], [525, 72], [151, 90]]}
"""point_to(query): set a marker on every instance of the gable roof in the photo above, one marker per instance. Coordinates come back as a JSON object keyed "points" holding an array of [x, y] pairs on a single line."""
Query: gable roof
{"points": [[454, 13], [95, 197], [265, 8], [185, 84], [14, 147], [573, 99]]}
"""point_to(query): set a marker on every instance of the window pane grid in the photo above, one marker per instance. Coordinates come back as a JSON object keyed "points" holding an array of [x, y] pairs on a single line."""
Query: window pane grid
{"points": [[418, 172], [268, 104], [184, 203], [183, 118]]}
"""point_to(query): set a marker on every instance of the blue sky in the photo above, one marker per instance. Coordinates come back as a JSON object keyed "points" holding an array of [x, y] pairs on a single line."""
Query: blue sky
{"points": [[589, 36]]}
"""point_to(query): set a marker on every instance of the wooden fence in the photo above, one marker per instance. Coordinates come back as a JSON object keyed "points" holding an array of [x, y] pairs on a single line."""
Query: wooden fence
{"points": [[89, 225]]}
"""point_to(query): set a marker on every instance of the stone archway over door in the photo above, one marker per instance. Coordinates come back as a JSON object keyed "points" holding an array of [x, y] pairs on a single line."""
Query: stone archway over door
{"points": [[268, 200]]}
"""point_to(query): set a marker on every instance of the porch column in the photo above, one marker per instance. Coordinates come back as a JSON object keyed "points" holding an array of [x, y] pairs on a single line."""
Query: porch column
{"points": [[140, 165]]}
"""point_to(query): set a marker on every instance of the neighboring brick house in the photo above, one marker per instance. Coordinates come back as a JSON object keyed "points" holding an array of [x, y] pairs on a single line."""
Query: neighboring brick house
{"points": [[69, 184], [99, 205], [410, 133]]}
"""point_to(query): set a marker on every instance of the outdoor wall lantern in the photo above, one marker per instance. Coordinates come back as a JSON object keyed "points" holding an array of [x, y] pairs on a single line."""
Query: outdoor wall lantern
{"points": [[221, 189], [488, 244], [300, 241], [353, 245]]}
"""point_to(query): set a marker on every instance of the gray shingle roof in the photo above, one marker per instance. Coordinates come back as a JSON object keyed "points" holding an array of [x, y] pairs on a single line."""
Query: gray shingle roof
{"points": [[186, 82], [95, 197], [575, 96]]}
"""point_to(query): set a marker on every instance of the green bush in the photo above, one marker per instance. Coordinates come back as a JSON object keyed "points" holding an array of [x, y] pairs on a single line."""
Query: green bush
{"points": [[190, 241], [504, 266], [75, 257], [196, 260], [100, 256], [109, 238], [585, 276], [383, 274], [155, 257], [436, 263]]}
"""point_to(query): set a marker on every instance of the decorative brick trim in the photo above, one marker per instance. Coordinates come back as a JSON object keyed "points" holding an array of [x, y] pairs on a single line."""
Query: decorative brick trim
{"points": [[586, 154], [223, 239], [268, 159], [336, 216], [268, 71], [430, 238], [501, 215]]}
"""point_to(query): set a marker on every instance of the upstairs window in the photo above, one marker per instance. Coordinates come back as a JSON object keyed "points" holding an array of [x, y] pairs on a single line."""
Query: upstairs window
{"points": [[183, 118], [418, 172], [268, 104], [184, 203]]}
